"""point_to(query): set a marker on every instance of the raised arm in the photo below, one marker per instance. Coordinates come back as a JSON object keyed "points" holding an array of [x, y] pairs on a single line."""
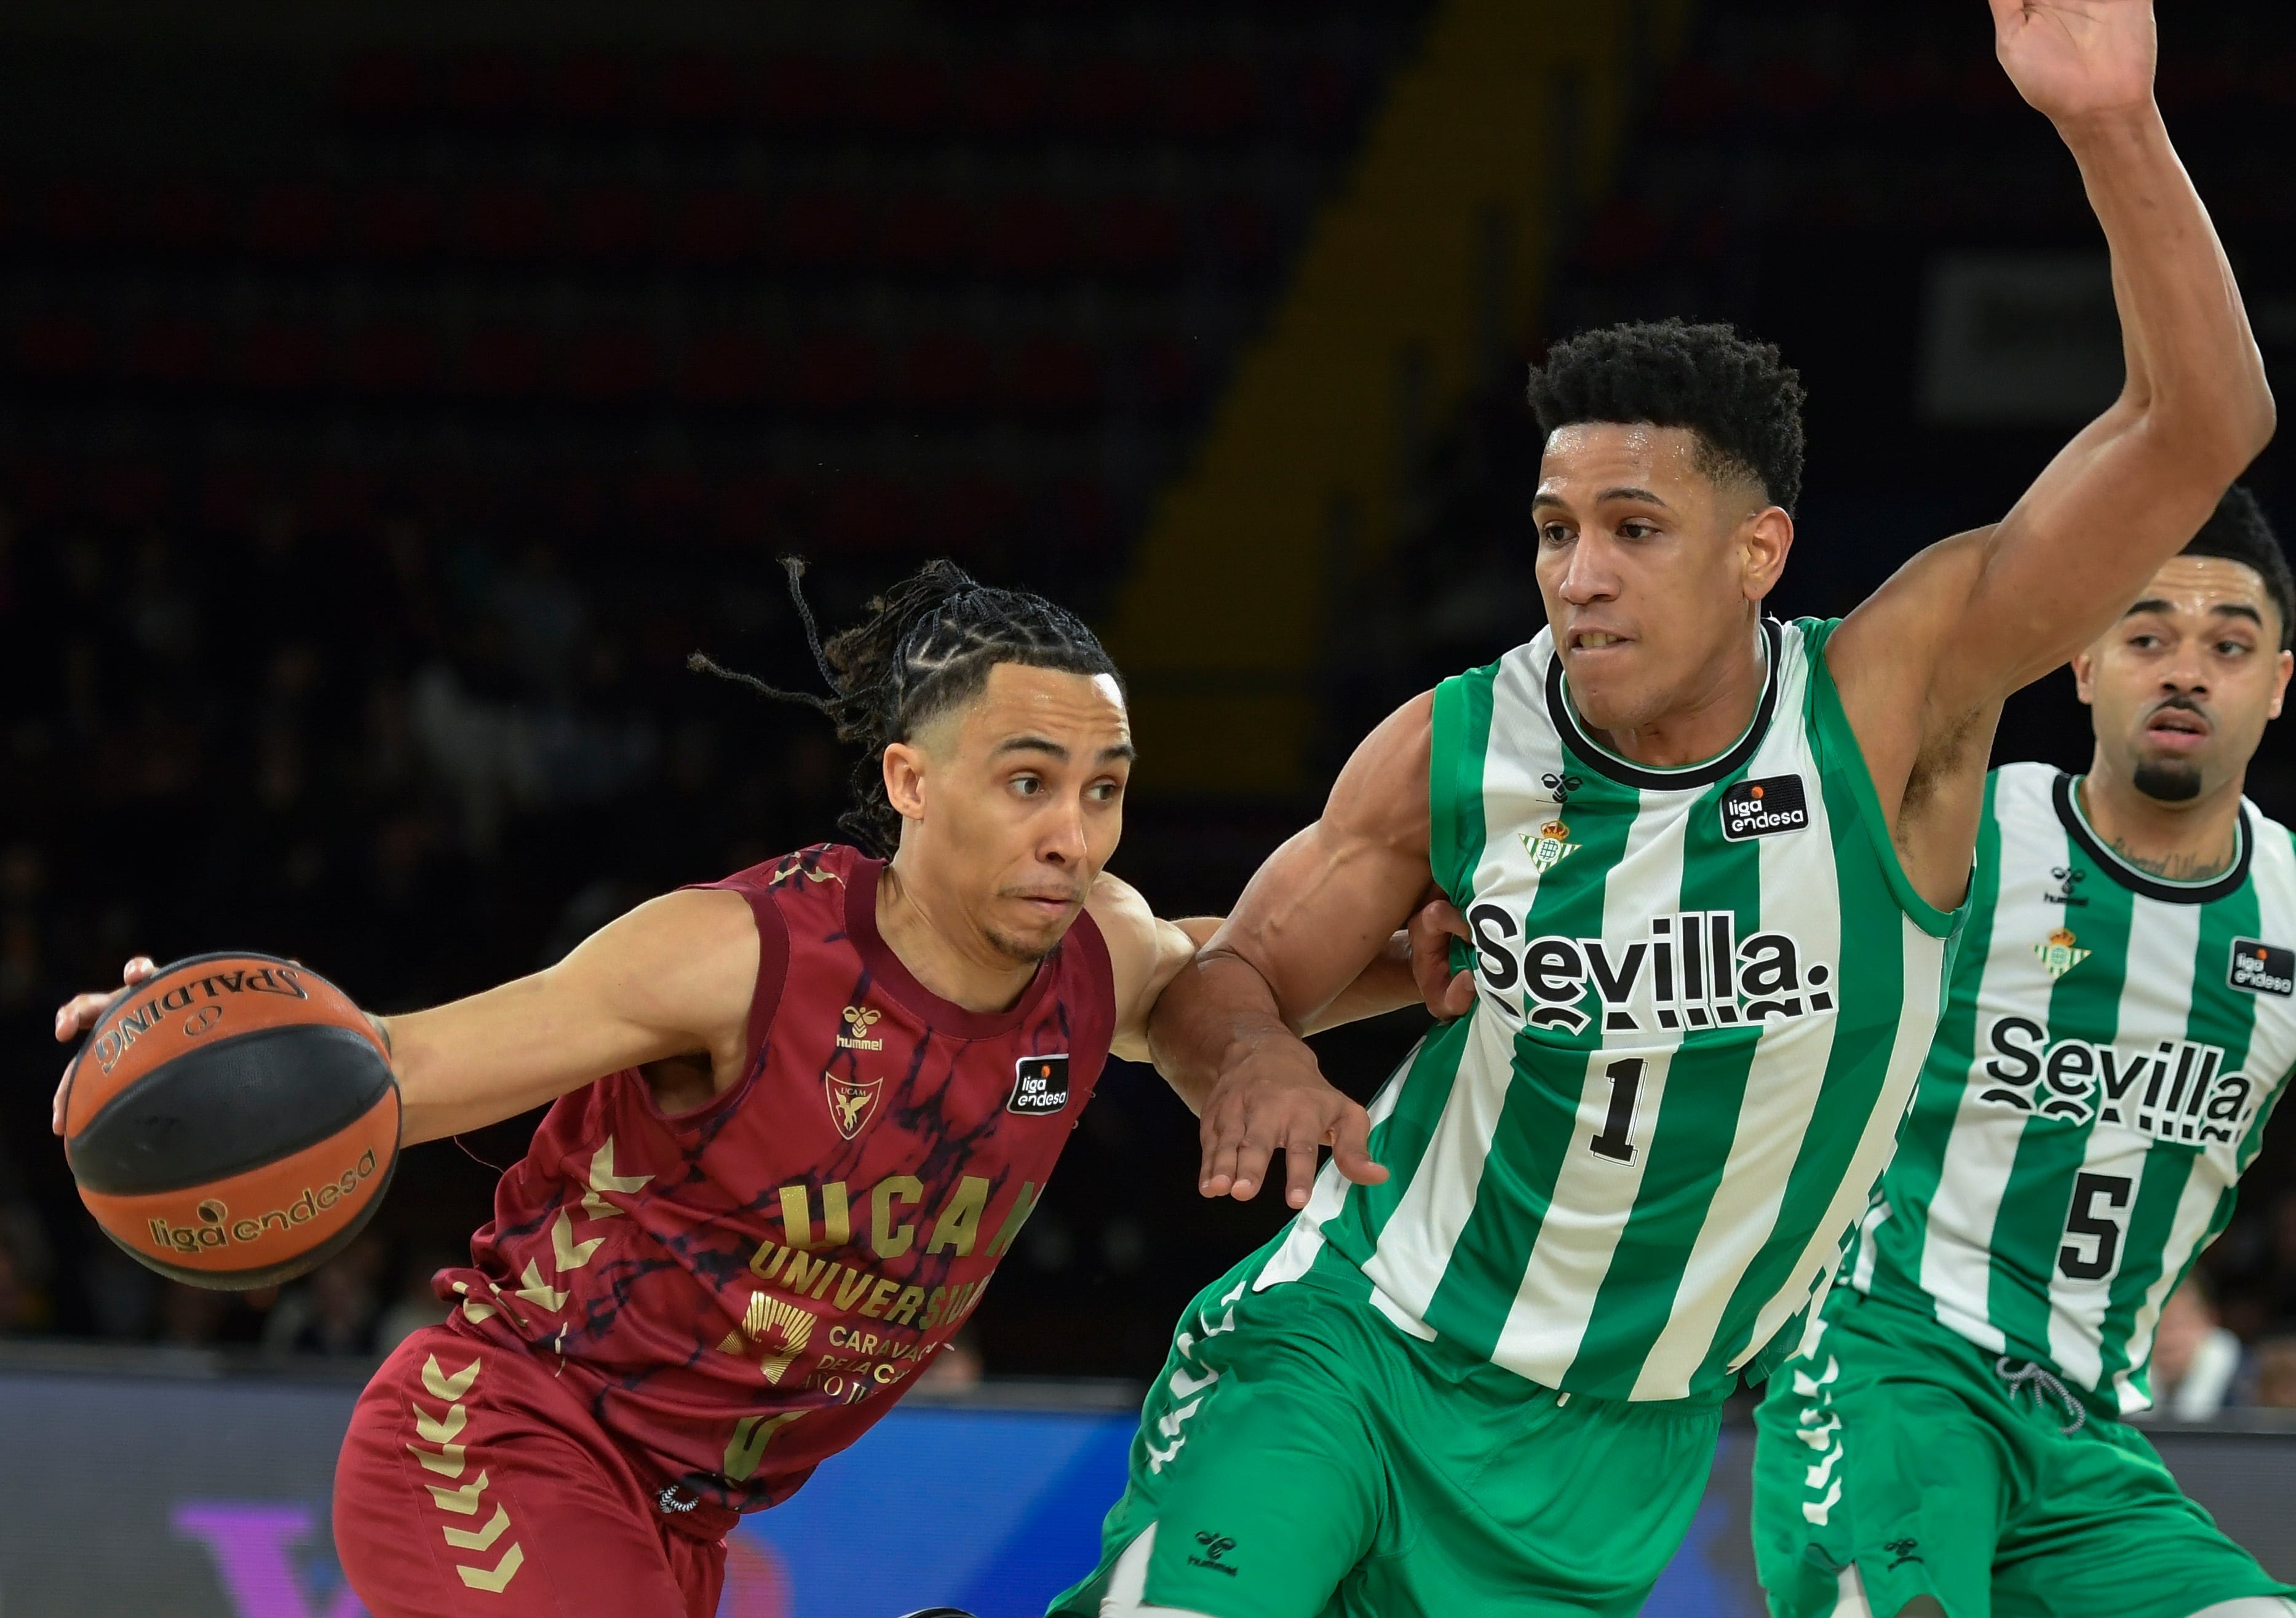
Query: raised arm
{"points": [[1319, 914], [1925, 664], [673, 978]]}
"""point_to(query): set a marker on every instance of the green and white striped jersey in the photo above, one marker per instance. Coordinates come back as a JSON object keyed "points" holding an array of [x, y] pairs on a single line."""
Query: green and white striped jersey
{"points": [[1705, 996], [2112, 1046]]}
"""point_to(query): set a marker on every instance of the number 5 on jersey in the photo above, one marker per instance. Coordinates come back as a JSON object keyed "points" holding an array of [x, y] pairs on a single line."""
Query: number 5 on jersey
{"points": [[2100, 1203]]}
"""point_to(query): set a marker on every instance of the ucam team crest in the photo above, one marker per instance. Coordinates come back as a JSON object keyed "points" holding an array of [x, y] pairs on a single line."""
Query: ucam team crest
{"points": [[851, 1101], [2058, 955]]}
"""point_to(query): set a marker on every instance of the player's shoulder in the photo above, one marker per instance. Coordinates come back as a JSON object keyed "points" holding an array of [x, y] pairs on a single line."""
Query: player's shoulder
{"points": [[2272, 863], [818, 866], [1118, 912]]}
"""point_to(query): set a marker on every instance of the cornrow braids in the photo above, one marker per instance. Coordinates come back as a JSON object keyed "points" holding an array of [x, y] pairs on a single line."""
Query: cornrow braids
{"points": [[926, 646]]}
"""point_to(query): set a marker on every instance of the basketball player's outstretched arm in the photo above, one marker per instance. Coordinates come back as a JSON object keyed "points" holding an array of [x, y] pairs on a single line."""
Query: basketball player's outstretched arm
{"points": [[671, 983], [1925, 666], [1322, 909], [673, 978]]}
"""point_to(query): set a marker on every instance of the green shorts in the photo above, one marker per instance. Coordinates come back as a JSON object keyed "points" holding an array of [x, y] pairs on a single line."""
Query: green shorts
{"points": [[1897, 1448], [1301, 1455]]}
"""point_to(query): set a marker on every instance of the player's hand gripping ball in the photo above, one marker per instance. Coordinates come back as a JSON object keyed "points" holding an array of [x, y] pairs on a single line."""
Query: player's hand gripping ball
{"points": [[232, 1120]]}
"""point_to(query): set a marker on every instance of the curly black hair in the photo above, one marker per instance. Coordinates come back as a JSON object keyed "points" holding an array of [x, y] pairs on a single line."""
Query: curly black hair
{"points": [[1740, 397], [2238, 531], [926, 647]]}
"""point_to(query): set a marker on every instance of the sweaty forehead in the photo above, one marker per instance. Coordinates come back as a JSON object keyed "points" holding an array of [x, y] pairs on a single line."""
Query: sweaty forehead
{"points": [[2200, 584], [1587, 457]]}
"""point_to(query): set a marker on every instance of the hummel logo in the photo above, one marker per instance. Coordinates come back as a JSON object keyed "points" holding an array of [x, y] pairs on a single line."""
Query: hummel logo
{"points": [[1215, 1546]]}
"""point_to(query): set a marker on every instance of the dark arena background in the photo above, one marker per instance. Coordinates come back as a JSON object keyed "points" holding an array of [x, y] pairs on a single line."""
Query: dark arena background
{"points": [[396, 393]]}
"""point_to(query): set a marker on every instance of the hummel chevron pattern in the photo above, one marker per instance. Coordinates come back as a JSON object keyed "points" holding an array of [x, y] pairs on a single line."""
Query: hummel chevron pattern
{"points": [[448, 1460], [603, 1179], [493, 1578]]}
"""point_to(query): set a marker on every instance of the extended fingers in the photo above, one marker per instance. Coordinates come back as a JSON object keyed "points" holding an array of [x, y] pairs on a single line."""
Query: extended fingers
{"points": [[78, 1015]]}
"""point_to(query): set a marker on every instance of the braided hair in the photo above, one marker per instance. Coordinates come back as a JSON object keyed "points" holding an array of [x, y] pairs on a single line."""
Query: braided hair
{"points": [[926, 647]]}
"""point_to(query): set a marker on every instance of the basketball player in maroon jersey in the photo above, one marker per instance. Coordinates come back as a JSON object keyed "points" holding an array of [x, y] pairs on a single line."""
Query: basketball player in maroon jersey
{"points": [[836, 1088]]}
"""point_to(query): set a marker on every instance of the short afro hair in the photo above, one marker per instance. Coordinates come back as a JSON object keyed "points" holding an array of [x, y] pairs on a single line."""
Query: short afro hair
{"points": [[2238, 532], [1740, 397]]}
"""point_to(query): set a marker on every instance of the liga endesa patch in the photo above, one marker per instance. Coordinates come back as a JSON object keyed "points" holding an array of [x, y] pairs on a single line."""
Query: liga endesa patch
{"points": [[2261, 968], [1765, 808], [1040, 1084]]}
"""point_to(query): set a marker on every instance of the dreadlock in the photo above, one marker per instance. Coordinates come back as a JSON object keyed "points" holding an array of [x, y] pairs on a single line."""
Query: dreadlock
{"points": [[926, 647]]}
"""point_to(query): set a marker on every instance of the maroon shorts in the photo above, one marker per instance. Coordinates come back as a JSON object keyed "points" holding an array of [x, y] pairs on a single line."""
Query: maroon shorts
{"points": [[473, 1481]]}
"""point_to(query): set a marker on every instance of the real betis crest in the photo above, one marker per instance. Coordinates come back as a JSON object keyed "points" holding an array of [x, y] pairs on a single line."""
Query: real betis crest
{"points": [[2058, 954], [1550, 847]]}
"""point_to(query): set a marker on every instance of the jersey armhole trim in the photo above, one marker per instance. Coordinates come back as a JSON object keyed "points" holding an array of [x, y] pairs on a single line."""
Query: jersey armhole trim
{"points": [[773, 970], [1833, 717], [1085, 931], [1459, 737]]}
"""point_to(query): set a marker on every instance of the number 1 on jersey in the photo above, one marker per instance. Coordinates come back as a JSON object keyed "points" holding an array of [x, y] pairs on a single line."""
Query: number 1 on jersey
{"points": [[1616, 1139]]}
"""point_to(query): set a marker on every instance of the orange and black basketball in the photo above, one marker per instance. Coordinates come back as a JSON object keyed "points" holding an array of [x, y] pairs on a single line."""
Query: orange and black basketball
{"points": [[232, 1121]]}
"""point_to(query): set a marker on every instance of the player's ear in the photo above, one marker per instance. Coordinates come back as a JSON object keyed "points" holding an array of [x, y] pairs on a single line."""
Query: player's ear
{"points": [[2084, 667], [1765, 538], [905, 779], [2279, 687]]}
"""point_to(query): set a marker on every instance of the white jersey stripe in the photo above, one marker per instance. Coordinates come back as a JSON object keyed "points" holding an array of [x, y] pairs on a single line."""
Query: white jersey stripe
{"points": [[1958, 1273], [1799, 891], [1925, 959], [1594, 1197], [2161, 942], [1415, 1242]]}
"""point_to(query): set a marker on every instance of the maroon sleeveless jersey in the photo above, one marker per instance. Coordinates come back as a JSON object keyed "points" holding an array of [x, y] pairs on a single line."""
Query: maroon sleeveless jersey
{"points": [[742, 1290]]}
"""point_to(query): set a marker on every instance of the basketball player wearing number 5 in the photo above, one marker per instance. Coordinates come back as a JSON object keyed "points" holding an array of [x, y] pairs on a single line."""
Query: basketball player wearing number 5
{"points": [[796, 1118], [1710, 864]]}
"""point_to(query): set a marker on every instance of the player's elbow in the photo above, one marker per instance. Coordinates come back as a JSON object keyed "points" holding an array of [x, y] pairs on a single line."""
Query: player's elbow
{"points": [[2218, 429]]}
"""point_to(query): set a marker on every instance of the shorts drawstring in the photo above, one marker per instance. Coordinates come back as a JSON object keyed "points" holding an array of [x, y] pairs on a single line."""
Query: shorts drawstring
{"points": [[2041, 1381]]}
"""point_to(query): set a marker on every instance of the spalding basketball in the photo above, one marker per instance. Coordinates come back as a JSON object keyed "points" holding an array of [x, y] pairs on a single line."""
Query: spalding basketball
{"points": [[232, 1121]]}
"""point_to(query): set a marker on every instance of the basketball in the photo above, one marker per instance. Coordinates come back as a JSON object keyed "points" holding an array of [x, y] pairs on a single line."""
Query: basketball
{"points": [[231, 1122]]}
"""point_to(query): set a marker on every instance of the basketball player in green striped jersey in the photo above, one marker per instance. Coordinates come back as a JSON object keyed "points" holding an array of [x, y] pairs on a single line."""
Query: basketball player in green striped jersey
{"points": [[2121, 1021], [1711, 864]]}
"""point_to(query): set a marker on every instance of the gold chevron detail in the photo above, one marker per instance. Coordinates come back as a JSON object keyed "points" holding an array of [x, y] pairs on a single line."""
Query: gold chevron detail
{"points": [[493, 1578], [463, 1501], [465, 1539], [603, 1179], [538, 1291], [447, 1462], [474, 1311], [439, 1430], [751, 1435], [440, 1385], [571, 1254]]}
